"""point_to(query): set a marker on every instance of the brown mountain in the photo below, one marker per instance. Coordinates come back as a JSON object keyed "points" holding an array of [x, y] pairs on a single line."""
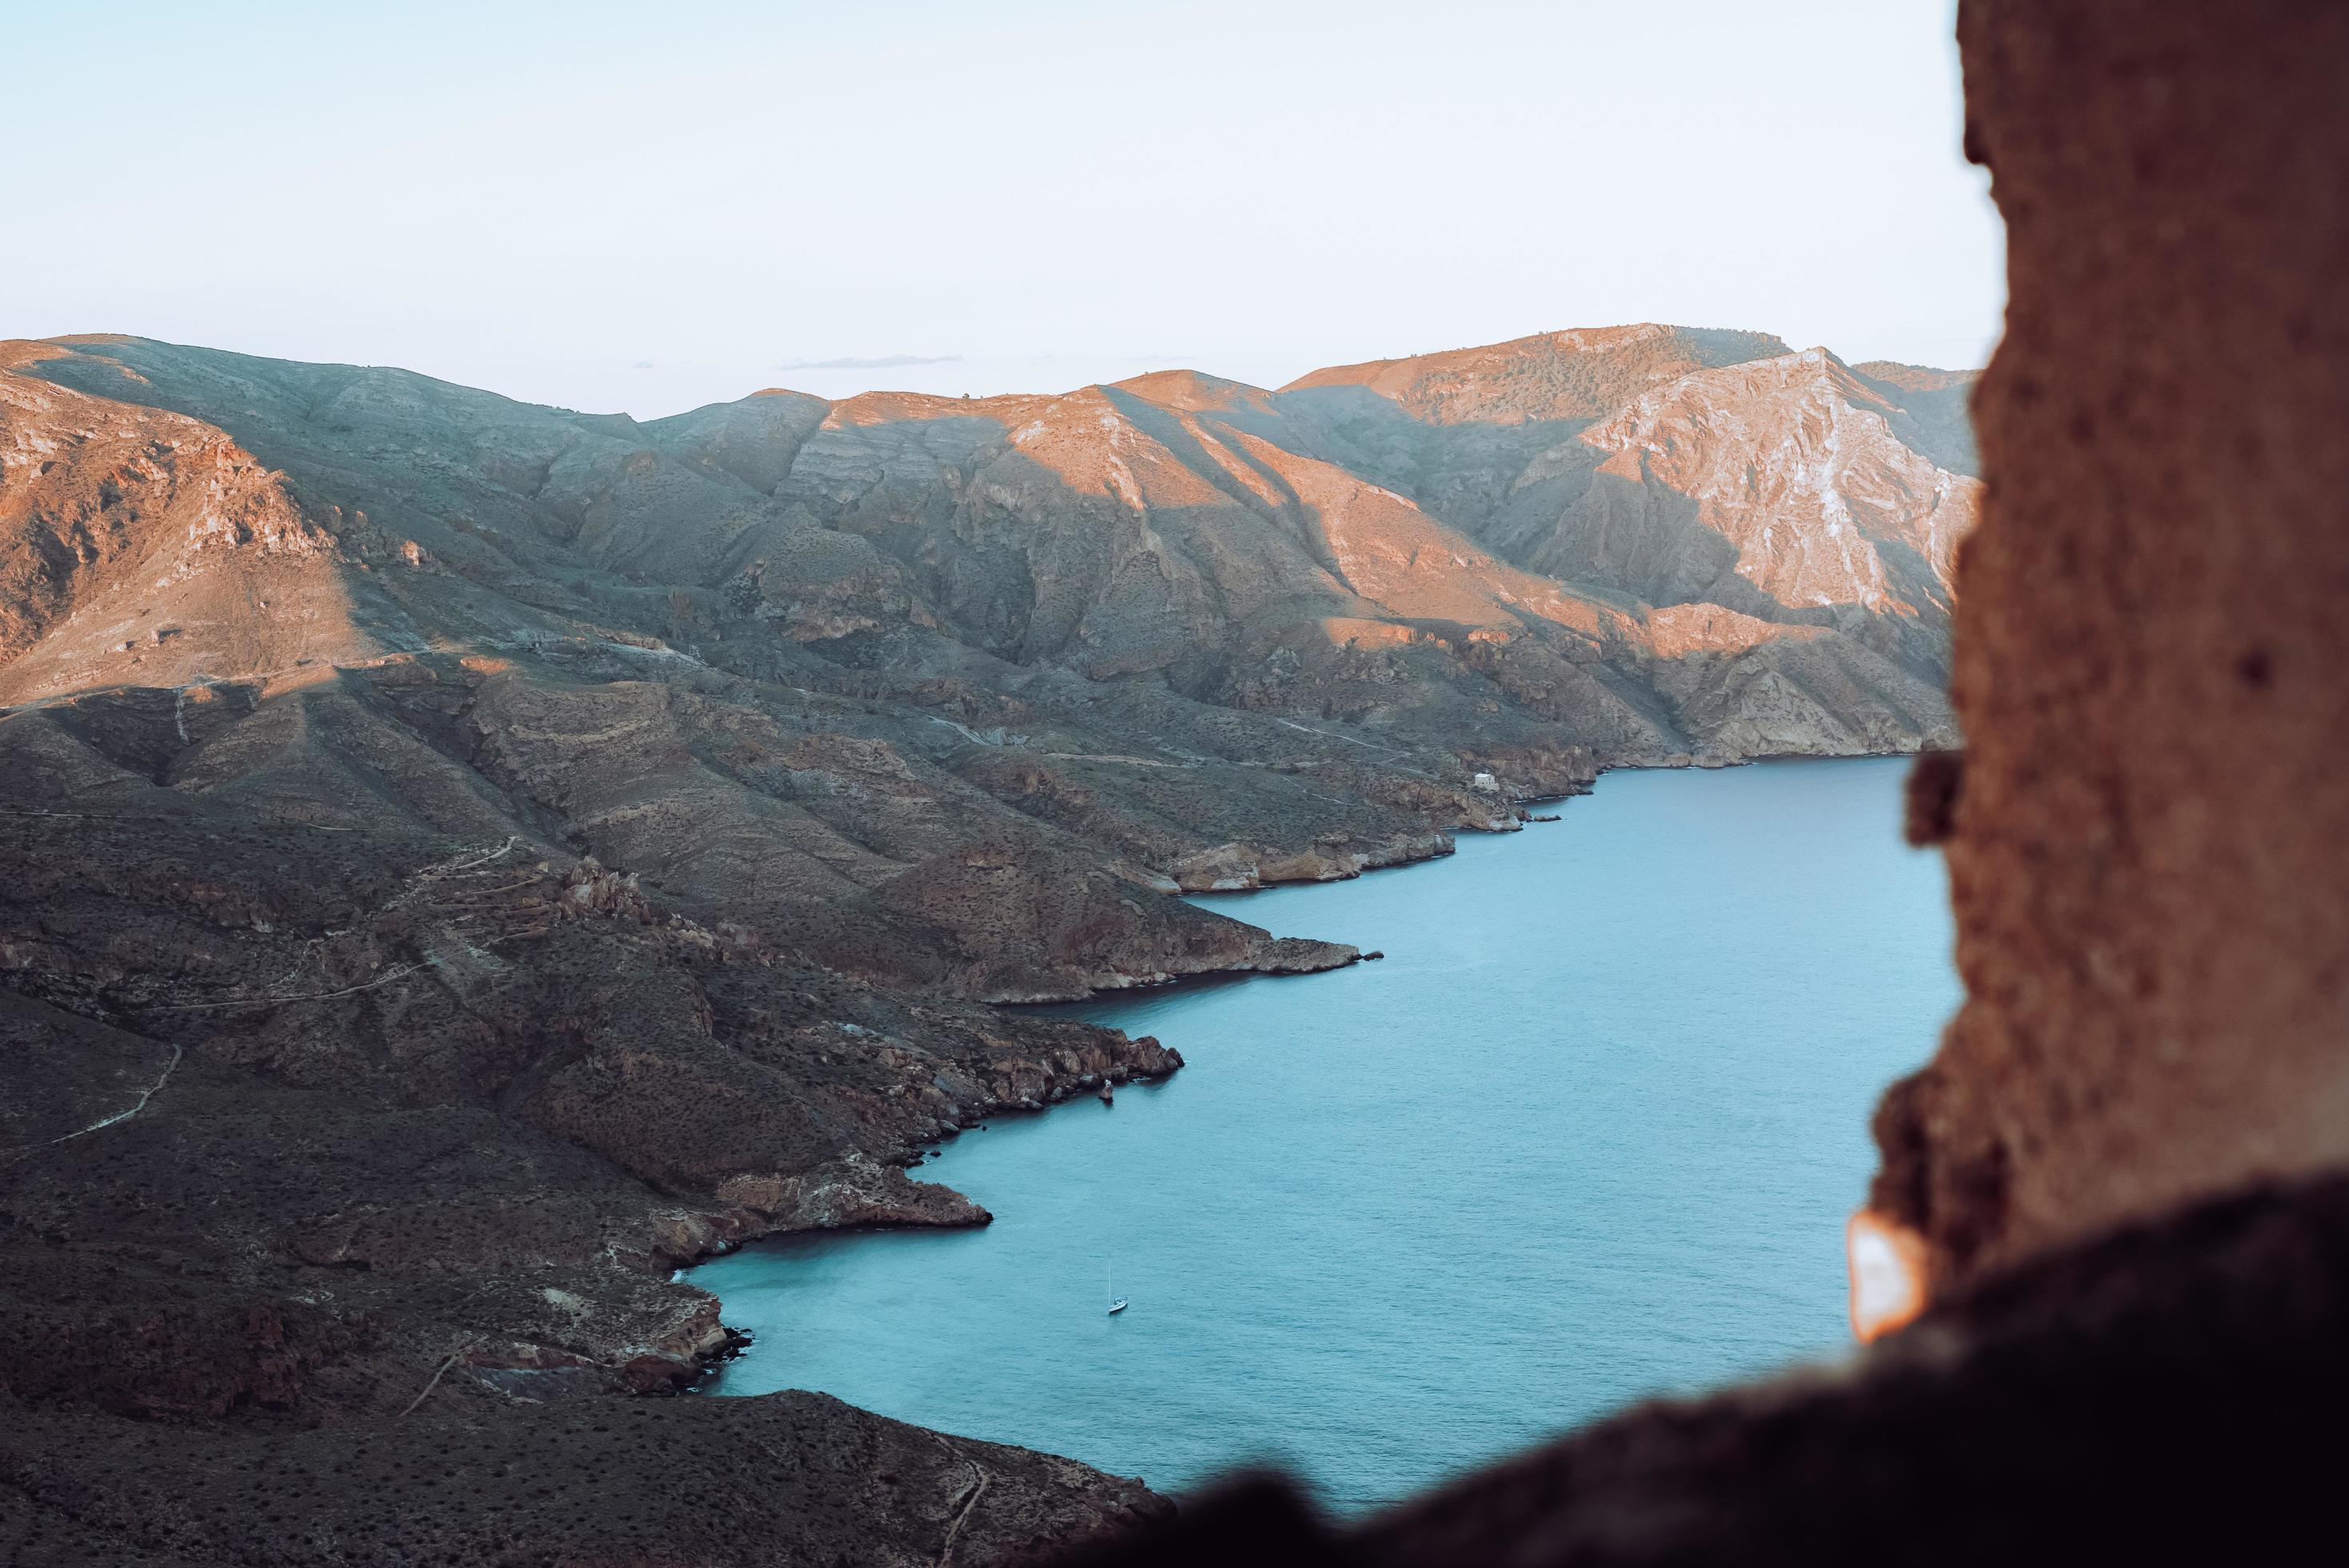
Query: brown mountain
{"points": [[500, 853]]}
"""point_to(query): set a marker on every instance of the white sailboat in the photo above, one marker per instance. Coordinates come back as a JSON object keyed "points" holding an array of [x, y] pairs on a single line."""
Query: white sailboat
{"points": [[1116, 1302]]}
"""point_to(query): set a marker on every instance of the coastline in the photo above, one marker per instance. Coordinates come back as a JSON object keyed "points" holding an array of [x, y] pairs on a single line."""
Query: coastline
{"points": [[1027, 1177], [912, 1155]]}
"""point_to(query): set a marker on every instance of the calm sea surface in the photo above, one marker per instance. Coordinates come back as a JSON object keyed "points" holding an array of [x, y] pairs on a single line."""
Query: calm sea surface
{"points": [[1590, 1133]]}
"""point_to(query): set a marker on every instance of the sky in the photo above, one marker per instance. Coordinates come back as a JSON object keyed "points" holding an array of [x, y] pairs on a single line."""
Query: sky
{"points": [[650, 207]]}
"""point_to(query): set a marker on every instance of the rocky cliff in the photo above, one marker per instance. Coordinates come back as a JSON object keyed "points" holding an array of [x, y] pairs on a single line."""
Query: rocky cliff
{"points": [[461, 861]]}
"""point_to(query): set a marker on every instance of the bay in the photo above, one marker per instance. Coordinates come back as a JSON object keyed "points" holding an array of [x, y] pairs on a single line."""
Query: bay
{"points": [[1590, 1133]]}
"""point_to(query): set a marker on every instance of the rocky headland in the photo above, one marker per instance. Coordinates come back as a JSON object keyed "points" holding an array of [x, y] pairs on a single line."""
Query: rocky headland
{"points": [[462, 861]]}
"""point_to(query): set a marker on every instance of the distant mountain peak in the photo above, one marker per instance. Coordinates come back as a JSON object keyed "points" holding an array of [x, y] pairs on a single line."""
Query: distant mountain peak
{"points": [[1577, 373], [1192, 391], [1915, 377]]}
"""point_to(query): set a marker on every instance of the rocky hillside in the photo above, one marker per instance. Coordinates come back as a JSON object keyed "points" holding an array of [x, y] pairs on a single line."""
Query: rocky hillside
{"points": [[461, 861]]}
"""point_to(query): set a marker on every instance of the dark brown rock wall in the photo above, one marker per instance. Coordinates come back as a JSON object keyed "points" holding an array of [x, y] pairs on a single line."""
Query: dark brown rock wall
{"points": [[2149, 850]]}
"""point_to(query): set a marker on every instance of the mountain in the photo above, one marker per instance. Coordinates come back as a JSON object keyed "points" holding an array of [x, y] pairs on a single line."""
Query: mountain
{"points": [[525, 850]]}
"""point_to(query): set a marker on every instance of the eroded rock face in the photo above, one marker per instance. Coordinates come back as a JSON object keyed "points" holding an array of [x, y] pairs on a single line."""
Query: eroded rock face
{"points": [[1795, 469], [2146, 842]]}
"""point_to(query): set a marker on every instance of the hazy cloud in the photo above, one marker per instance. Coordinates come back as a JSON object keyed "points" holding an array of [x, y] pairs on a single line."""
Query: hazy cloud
{"points": [[886, 362]]}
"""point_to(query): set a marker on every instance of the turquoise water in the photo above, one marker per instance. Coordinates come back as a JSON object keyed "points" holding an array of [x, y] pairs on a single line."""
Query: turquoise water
{"points": [[1589, 1132]]}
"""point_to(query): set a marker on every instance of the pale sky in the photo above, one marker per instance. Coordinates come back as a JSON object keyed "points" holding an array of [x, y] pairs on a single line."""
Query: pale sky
{"points": [[655, 206]]}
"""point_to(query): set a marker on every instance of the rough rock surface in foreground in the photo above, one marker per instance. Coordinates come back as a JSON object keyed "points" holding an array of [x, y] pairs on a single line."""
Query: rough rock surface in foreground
{"points": [[2149, 842]]}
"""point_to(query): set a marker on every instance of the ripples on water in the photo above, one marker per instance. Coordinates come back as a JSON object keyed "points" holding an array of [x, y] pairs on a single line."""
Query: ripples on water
{"points": [[1590, 1133]]}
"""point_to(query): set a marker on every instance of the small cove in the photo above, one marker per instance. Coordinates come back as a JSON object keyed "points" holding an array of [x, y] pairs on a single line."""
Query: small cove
{"points": [[1587, 1133]]}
